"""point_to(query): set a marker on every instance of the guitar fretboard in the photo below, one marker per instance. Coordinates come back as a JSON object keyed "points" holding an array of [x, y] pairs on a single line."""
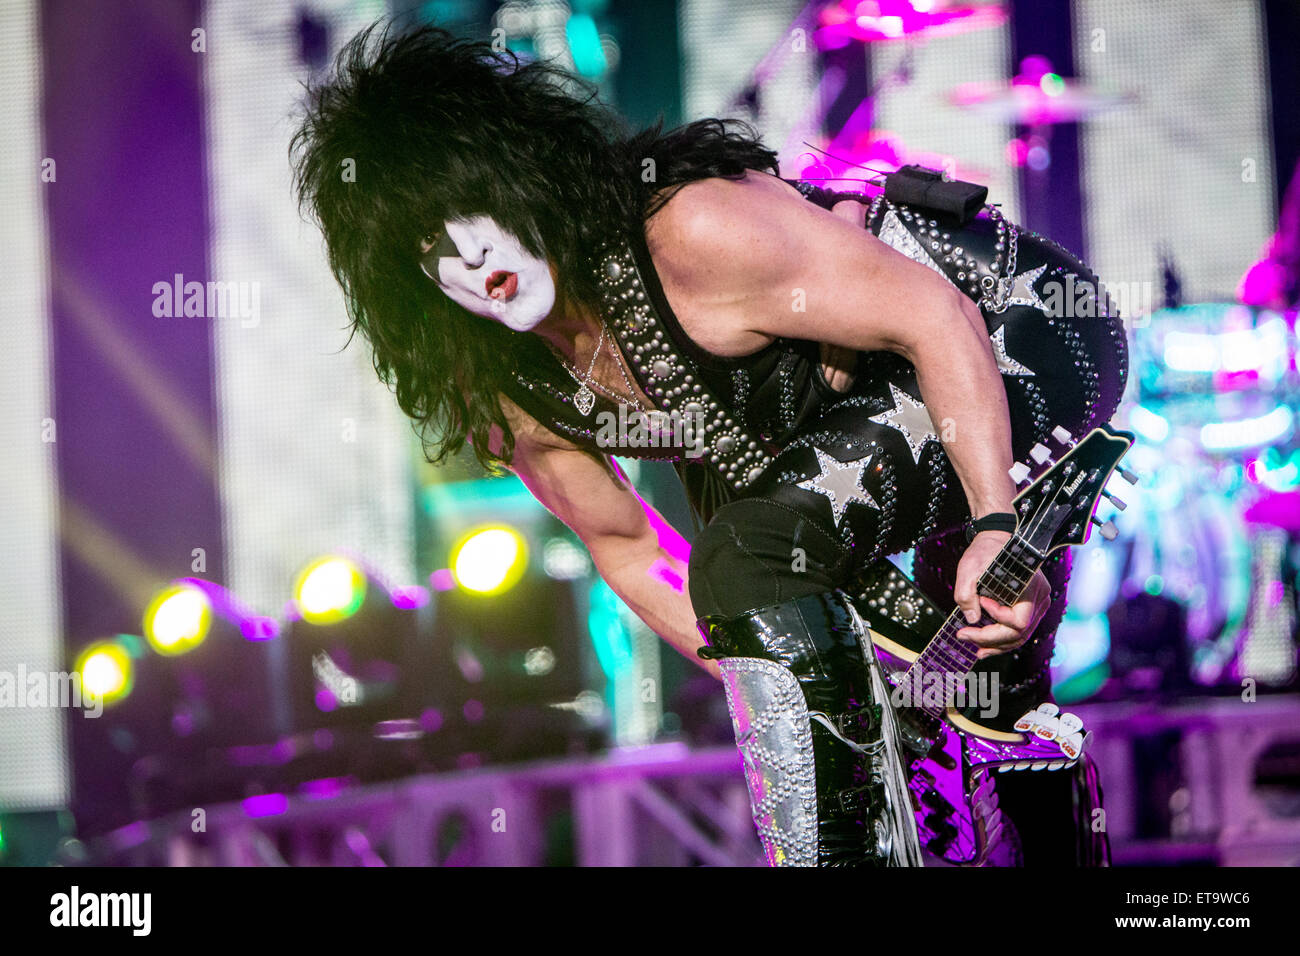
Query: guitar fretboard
{"points": [[948, 657]]}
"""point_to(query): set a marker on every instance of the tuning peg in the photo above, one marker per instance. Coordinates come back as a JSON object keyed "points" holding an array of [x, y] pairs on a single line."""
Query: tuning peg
{"points": [[1107, 528], [1040, 453], [1062, 436], [1019, 472], [1127, 475], [1117, 502]]}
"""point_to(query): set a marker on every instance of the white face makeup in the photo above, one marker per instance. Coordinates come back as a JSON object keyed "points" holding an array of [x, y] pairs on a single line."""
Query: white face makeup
{"points": [[488, 272]]}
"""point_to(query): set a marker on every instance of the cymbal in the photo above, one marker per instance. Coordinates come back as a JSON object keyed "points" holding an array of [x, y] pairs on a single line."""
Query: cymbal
{"points": [[1051, 99], [878, 21]]}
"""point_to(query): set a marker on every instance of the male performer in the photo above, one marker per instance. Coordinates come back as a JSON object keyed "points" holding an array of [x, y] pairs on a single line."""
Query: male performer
{"points": [[522, 267]]}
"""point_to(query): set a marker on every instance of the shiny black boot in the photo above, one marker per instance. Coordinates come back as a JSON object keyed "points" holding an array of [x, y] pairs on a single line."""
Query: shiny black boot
{"points": [[813, 725]]}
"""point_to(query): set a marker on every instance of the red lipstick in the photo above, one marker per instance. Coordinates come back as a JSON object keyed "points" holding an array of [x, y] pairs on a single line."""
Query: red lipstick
{"points": [[501, 285]]}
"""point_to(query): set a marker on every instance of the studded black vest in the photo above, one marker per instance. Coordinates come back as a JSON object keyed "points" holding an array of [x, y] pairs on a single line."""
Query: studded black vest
{"points": [[748, 406], [738, 414]]}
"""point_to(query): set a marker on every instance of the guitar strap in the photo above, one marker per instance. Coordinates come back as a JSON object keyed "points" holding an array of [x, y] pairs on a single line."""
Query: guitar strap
{"points": [[894, 606]]}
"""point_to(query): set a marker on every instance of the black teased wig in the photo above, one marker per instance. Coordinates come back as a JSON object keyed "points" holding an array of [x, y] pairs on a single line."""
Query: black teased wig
{"points": [[416, 127]]}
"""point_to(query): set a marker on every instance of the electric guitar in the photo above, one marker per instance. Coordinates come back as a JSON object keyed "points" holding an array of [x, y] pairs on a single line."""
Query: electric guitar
{"points": [[956, 758]]}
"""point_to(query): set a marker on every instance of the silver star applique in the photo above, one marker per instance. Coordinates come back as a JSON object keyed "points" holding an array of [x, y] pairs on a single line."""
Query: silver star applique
{"points": [[1022, 290], [840, 482], [911, 418], [1006, 364], [897, 236]]}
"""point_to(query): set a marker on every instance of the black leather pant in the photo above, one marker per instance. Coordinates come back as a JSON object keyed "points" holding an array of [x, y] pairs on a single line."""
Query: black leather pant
{"points": [[743, 560]]}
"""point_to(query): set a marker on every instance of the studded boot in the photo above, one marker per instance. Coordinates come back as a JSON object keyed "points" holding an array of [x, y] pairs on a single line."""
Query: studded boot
{"points": [[811, 725]]}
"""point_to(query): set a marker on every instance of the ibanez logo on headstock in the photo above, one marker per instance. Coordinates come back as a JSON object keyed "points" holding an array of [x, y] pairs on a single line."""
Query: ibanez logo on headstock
{"points": [[1054, 511]]}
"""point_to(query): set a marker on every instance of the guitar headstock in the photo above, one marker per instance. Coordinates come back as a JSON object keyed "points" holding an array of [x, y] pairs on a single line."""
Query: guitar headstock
{"points": [[1056, 508]]}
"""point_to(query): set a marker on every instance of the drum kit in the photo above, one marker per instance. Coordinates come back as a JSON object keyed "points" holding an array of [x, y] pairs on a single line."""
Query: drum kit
{"points": [[1214, 390], [1035, 100], [1213, 400]]}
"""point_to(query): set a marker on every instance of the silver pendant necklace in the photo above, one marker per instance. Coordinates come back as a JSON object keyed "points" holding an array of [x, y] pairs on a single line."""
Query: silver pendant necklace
{"points": [[584, 399]]}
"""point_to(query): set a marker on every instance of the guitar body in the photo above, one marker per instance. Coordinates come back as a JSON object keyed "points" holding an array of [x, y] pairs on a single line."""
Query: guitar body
{"points": [[953, 795], [954, 756]]}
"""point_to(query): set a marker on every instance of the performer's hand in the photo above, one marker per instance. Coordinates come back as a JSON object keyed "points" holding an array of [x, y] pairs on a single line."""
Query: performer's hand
{"points": [[1015, 624]]}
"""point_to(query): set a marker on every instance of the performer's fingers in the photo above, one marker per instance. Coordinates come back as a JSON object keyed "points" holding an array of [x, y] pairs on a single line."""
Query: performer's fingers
{"points": [[964, 595], [991, 635], [1017, 616]]}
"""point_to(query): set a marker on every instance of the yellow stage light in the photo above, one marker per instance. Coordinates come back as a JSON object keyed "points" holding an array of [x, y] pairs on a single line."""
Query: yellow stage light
{"points": [[489, 560], [106, 671], [178, 619], [329, 590]]}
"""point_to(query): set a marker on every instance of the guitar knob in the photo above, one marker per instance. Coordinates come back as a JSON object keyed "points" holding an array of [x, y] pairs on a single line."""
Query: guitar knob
{"points": [[1062, 436], [942, 757], [1040, 453], [1107, 528], [1127, 475], [1019, 472]]}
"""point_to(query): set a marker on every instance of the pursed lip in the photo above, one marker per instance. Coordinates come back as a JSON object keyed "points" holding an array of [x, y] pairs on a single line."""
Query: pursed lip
{"points": [[501, 285]]}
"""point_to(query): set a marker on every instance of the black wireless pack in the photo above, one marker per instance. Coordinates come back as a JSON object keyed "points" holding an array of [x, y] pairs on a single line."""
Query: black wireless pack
{"points": [[930, 189]]}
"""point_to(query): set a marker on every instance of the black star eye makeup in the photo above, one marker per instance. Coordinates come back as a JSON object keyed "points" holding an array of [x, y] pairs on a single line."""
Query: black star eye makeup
{"points": [[435, 245]]}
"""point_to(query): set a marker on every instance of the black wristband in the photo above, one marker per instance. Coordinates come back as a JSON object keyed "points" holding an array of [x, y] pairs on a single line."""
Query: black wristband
{"points": [[998, 521]]}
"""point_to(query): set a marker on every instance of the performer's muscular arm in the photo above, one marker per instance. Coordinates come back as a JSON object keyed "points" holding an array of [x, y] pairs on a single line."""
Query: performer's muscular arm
{"points": [[639, 555], [739, 257]]}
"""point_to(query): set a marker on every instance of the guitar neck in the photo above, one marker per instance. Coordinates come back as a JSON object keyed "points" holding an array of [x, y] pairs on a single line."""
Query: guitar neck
{"points": [[948, 658]]}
